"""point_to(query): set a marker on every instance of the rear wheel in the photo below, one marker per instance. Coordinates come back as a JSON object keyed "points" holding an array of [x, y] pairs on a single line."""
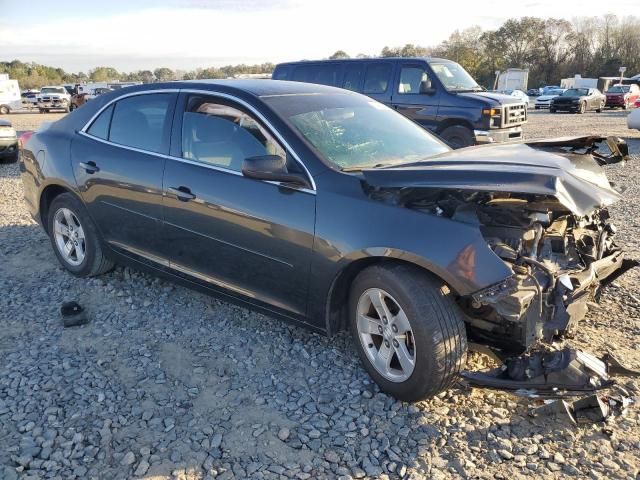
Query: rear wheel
{"points": [[457, 136], [601, 107], [75, 238], [4, 109], [409, 333]]}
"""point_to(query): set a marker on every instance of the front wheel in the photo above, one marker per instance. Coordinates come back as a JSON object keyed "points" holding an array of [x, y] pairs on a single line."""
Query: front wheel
{"points": [[75, 238], [457, 136], [582, 108], [4, 110], [408, 331]]}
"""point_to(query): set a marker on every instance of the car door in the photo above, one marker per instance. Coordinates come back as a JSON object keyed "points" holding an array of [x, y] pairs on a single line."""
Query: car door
{"points": [[118, 162], [414, 96], [252, 238]]}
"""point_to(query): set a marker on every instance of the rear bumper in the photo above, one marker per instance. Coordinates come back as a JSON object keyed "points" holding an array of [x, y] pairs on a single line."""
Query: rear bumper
{"points": [[498, 135]]}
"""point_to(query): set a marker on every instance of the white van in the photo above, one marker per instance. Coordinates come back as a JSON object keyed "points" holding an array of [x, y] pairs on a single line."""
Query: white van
{"points": [[9, 95]]}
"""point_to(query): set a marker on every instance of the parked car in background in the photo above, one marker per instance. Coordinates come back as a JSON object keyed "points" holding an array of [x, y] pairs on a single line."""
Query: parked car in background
{"points": [[30, 98], [550, 89], [77, 100], [579, 100], [519, 94], [437, 94], [533, 92], [633, 120], [323, 207], [8, 142], [544, 100], [54, 98], [622, 96]]}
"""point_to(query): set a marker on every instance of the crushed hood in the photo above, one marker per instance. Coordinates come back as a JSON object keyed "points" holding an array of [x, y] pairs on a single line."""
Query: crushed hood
{"points": [[567, 169]]}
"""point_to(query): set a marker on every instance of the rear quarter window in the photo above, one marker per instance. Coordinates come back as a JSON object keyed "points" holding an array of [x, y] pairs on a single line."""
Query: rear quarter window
{"points": [[100, 126]]}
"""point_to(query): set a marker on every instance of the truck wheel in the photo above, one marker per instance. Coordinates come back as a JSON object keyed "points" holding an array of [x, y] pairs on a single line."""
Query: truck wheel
{"points": [[457, 136], [4, 109], [408, 331]]}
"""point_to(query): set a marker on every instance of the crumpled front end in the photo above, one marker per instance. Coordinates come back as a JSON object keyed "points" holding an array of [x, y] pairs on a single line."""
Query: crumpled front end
{"points": [[542, 209]]}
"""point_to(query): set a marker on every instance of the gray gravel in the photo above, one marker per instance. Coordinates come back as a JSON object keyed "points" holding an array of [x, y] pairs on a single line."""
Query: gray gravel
{"points": [[168, 383]]}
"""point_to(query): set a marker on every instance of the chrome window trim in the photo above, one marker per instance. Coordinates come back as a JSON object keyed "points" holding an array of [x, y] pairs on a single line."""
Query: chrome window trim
{"points": [[253, 110]]}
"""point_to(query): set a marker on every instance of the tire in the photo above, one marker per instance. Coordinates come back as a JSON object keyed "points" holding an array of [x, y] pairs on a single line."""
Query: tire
{"points": [[457, 136], [582, 108], [4, 110], [93, 262], [552, 110], [436, 325], [537, 108], [601, 107]]}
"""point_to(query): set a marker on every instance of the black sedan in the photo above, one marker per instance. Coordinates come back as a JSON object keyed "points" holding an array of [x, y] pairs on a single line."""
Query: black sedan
{"points": [[578, 100], [326, 208], [8, 142]]}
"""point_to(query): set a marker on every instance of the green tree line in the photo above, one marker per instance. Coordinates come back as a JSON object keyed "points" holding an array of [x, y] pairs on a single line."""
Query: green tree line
{"points": [[550, 48]]}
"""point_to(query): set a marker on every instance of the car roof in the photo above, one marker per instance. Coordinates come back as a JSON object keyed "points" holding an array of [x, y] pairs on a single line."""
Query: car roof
{"points": [[254, 87], [368, 59]]}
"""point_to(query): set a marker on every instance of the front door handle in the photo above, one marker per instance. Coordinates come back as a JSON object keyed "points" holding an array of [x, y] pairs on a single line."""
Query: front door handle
{"points": [[183, 193], [89, 167]]}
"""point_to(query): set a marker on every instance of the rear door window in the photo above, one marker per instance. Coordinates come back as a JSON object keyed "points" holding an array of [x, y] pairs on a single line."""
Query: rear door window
{"points": [[377, 78], [142, 122], [353, 77]]}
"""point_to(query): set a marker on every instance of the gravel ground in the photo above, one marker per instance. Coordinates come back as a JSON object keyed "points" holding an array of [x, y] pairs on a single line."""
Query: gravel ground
{"points": [[168, 383]]}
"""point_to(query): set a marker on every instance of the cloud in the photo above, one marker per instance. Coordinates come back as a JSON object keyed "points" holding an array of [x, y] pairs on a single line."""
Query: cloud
{"points": [[199, 33]]}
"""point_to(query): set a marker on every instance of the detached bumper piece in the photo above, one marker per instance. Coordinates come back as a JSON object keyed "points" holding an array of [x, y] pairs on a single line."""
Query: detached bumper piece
{"points": [[558, 374], [551, 374]]}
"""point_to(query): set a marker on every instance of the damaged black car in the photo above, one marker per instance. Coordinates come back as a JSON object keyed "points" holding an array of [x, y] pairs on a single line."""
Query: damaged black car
{"points": [[326, 208]]}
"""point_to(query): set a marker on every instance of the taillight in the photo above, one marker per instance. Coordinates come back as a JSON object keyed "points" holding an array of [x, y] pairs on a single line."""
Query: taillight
{"points": [[24, 138]]}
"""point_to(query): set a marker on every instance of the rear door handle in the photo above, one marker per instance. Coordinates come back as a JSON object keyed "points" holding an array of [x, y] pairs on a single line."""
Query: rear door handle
{"points": [[89, 167], [183, 193]]}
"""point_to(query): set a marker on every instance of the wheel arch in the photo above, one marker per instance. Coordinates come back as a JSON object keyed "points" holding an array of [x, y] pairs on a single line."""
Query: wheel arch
{"points": [[454, 122], [337, 303], [48, 194]]}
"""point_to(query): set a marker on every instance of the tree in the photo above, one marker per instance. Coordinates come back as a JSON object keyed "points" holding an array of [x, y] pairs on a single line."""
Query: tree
{"points": [[409, 50], [164, 74], [339, 54], [104, 74]]}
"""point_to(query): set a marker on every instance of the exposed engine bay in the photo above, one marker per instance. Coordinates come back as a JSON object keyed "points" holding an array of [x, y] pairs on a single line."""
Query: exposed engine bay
{"points": [[547, 220]]}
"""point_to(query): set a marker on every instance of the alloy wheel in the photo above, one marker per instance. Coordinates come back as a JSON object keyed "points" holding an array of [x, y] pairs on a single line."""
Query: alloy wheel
{"points": [[386, 335], [69, 237]]}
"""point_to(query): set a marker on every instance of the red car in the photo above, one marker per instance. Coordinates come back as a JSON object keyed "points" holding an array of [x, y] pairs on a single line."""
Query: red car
{"points": [[622, 96]]}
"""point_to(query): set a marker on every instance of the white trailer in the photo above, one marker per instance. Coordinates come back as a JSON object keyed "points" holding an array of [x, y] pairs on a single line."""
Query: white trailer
{"points": [[513, 79], [10, 99], [578, 82]]}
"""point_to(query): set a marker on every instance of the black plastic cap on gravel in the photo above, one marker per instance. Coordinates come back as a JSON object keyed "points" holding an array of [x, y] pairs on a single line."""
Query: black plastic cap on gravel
{"points": [[73, 314]]}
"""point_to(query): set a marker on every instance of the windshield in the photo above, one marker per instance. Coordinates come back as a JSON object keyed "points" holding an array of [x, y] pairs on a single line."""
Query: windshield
{"points": [[353, 131], [575, 92], [454, 77], [52, 90], [619, 89]]}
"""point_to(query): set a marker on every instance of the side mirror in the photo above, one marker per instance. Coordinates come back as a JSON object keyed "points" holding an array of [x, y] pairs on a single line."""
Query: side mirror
{"points": [[273, 168], [426, 88]]}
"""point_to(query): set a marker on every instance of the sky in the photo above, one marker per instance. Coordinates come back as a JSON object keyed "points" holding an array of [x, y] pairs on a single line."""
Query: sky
{"points": [[145, 34]]}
